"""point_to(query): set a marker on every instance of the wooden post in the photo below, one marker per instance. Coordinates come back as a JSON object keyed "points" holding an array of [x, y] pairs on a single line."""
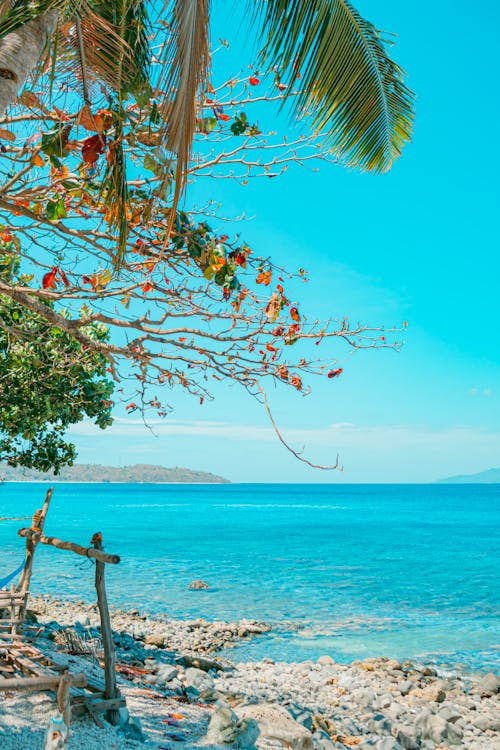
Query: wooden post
{"points": [[111, 690], [63, 699], [37, 524]]}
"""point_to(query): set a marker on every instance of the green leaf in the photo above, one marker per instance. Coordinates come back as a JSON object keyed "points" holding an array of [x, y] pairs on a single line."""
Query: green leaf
{"points": [[55, 141], [55, 210], [207, 124], [152, 165]]}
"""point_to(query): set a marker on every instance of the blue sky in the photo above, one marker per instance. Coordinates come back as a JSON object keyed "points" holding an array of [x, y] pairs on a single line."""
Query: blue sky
{"points": [[419, 244]]}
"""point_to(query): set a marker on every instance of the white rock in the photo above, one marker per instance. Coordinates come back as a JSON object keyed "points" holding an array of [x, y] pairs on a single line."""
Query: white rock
{"points": [[166, 673], [488, 685], [435, 728], [226, 728], [198, 679], [326, 660], [277, 724]]}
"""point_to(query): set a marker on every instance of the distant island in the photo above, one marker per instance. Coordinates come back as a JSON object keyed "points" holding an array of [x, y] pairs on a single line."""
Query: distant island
{"points": [[135, 474], [490, 476]]}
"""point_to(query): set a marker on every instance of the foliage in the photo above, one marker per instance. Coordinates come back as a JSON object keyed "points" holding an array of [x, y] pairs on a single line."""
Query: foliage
{"points": [[326, 59], [47, 383], [189, 303]]}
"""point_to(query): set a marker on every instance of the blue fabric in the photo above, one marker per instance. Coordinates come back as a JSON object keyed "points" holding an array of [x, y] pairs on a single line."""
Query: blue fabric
{"points": [[8, 579]]}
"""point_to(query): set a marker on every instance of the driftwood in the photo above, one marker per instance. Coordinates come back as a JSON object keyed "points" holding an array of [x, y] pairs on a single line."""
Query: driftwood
{"points": [[111, 689], [42, 683], [96, 554]]}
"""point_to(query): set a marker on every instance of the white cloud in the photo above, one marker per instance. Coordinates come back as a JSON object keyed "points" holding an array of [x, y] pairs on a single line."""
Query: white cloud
{"points": [[423, 443]]}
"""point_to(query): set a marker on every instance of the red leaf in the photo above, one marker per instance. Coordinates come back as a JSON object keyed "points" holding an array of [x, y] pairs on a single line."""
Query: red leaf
{"points": [[335, 373], [294, 314], [64, 278], [49, 280], [92, 148], [254, 81]]}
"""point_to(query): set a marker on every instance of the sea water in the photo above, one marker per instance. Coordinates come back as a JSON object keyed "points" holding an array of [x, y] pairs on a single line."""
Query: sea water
{"points": [[406, 571]]}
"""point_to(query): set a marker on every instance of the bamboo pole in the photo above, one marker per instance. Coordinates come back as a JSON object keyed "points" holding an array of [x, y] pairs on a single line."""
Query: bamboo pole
{"points": [[96, 554], [111, 690], [37, 523]]}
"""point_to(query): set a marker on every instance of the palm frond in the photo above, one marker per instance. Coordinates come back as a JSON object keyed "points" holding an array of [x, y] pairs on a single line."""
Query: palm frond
{"points": [[186, 67], [350, 86], [115, 37], [19, 12]]}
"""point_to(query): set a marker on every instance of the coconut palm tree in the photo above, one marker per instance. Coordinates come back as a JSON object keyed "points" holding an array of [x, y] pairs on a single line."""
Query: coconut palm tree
{"points": [[354, 90]]}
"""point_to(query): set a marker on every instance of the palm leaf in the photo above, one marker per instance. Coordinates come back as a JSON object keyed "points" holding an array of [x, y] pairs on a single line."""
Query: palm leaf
{"points": [[115, 37], [185, 65], [353, 90], [19, 12]]}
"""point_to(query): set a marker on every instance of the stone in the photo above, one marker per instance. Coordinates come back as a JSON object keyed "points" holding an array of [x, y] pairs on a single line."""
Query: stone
{"points": [[405, 686], [133, 730], [428, 672], [380, 725], [277, 724], [198, 679], [387, 743], [450, 713], [165, 673], [363, 697], [485, 722], [432, 694], [489, 685], [324, 743], [406, 742], [323, 724], [201, 662], [433, 727], [155, 639], [305, 718], [226, 728], [326, 660], [384, 743], [198, 585], [383, 701]]}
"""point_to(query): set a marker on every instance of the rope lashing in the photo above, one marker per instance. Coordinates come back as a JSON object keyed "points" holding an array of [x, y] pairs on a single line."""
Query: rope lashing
{"points": [[8, 579]]}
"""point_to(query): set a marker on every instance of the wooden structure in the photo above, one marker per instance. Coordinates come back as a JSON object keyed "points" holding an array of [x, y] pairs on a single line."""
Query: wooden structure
{"points": [[24, 667]]}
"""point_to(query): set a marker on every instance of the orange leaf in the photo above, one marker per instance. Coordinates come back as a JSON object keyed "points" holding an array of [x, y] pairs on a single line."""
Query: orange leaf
{"points": [[6, 135], [30, 99], [294, 314], [264, 277]]}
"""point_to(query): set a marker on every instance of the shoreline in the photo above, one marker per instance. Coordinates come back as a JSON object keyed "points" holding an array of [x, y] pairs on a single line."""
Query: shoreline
{"points": [[185, 695]]}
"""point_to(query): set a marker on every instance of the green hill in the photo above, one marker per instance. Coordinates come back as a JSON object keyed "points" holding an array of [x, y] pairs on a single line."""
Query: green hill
{"points": [[490, 476], [137, 473]]}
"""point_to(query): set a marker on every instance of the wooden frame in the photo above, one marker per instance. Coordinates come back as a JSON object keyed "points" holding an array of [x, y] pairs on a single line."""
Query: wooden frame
{"points": [[36, 672]]}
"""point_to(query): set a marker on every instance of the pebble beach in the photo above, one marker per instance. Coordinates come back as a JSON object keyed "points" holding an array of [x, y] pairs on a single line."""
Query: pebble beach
{"points": [[183, 692]]}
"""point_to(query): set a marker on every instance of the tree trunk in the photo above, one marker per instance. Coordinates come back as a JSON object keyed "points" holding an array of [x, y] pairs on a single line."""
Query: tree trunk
{"points": [[20, 51]]}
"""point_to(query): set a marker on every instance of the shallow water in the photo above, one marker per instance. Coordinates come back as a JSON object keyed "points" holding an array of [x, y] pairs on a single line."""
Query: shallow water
{"points": [[406, 571]]}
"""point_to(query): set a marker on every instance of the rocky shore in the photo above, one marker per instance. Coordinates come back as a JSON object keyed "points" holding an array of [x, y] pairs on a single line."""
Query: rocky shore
{"points": [[183, 695]]}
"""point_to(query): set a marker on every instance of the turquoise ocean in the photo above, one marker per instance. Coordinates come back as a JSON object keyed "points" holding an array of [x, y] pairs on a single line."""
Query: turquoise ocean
{"points": [[406, 571]]}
